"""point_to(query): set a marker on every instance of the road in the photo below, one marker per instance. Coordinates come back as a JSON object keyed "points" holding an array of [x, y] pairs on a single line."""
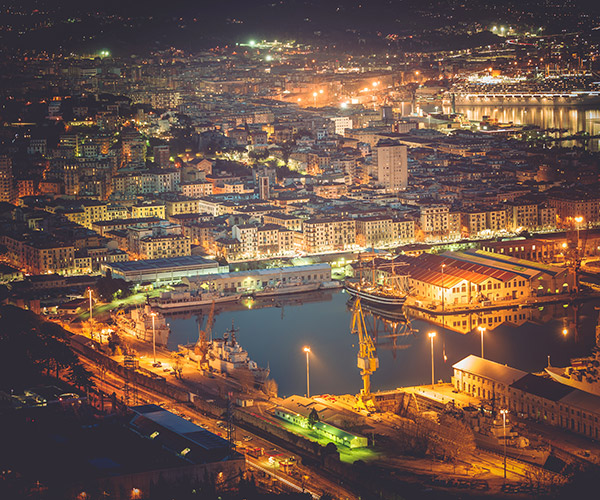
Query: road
{"points": [[109, 382]]}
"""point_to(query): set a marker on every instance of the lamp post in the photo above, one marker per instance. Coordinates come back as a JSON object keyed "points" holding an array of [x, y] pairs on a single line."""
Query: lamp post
{"points": [[443, 298], [503, 412], [481, 331], [578, 220], [315, 98], [153, 316], [307, 351], [431, 337], [90, 295]]}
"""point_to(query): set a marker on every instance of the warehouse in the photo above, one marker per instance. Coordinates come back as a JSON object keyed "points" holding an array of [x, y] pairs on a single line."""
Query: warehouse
{"points": [[163, 271]]}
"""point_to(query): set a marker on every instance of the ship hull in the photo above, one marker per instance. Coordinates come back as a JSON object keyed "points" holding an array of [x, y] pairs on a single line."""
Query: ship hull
{"points": [[557, 375], [183, 304], [287, 290], [379, 300], [161, 335]]}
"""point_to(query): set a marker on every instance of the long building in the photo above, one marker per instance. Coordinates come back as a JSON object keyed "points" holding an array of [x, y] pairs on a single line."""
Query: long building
{"points": [[475, 276], [163, 271], [528, 395], [246, 281]]}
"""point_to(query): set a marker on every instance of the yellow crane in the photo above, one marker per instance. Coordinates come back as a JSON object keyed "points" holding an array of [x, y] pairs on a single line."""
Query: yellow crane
{"points": [[201, 347], [367, 359]]}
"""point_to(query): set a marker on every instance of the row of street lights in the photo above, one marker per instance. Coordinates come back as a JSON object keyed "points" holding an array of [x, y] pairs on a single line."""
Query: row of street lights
{"points": [[432, 335]]}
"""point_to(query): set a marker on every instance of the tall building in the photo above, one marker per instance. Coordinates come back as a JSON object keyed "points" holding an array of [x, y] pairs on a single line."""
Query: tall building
{"points": [[6, 179], [162, 155], [391, 165], [263, 188]]}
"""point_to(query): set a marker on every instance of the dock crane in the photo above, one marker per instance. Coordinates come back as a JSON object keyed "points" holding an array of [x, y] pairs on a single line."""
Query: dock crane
{"points": [[201, 347], [367, 359]]}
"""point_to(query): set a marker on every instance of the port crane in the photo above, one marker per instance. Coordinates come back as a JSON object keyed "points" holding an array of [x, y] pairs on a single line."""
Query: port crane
{"points": [[201, 347], [367, 359]]}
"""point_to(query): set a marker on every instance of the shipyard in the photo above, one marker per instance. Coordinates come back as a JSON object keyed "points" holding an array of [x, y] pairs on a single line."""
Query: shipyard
{"points": [[299, 250]]}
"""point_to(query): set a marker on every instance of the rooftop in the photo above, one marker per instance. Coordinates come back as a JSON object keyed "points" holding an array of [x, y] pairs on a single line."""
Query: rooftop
{"points": [[157, 264], [489, 369], [543, 387]]}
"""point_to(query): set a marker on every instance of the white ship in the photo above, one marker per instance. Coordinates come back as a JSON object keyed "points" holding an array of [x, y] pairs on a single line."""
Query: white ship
{"points": [[179, 300], [226, 355], [283, 289], [583, 373], [144, 324]]}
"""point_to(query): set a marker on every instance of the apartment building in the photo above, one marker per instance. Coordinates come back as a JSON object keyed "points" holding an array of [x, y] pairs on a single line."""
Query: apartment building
{"points": [[196, 189], [376, 231], [573, 203], [327, 234], [149, 209], [521, 214]]}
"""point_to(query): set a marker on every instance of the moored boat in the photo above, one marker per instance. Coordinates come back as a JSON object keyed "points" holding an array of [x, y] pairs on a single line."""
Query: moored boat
{"points": [[375, 294], [144, 324], [179, 300]]}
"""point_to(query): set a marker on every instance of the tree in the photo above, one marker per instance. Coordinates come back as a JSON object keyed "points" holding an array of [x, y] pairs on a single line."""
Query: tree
{"points": [[107, 288]]}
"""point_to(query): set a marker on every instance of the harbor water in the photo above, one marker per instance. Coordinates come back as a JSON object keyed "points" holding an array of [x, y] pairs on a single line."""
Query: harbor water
{"points": [[572, 119], [275, 331]]}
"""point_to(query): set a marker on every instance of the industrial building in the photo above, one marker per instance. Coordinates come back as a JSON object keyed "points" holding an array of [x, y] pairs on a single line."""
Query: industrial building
{"points": [[476, 276], [247, 281], [297, 409], [528, 395], [163, 271]]}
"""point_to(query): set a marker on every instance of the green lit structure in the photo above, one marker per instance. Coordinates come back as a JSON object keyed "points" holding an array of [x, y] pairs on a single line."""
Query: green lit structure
{"points": [[300, 411]]}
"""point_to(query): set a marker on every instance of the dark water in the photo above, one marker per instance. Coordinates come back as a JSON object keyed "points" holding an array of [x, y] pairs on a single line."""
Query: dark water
{"points": [[275, 336]]}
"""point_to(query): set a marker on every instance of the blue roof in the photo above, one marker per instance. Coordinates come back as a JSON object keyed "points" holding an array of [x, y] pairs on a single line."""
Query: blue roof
{"points": [[190, 431]]}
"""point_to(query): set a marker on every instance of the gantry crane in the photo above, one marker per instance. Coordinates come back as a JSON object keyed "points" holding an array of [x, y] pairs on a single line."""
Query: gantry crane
{"points": [[201, 347], [367, 359]]}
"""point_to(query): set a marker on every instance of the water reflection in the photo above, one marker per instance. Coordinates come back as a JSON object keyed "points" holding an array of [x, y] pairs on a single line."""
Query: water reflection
{"points": [[275, 331], [570, 119]]}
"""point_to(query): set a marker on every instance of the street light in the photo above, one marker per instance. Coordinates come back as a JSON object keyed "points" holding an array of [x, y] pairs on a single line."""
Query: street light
{"points": [[315, 97], [307, 351], [431, 337], [153, 316], [503, 412], [578, 220], [481, 331], [90, 294]]}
